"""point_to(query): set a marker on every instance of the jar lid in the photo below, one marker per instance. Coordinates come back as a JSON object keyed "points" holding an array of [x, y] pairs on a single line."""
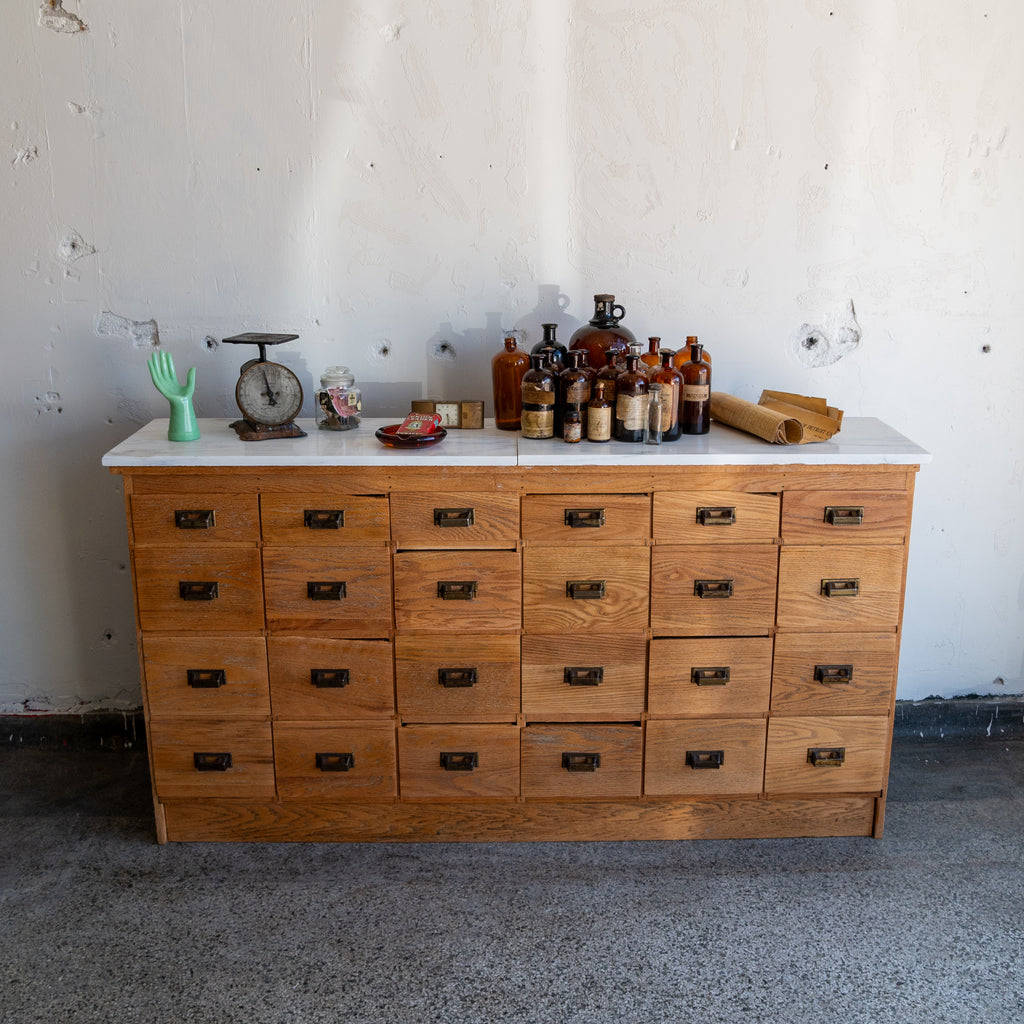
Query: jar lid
{"points": [[336, 375]]}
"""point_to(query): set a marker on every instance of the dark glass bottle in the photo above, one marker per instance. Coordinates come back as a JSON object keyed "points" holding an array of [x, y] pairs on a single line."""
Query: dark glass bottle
{"points": [[695, 399], [671, 381], [574, 387], [684, 353], [538, 416], [507, 369], [630, 401], [572, 425], [601, 412], [553, 349], [651, 358], [604, 337]]}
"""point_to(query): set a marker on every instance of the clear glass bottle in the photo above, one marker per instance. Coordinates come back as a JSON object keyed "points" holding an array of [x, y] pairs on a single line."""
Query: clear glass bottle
{"points": [[339, 403], [652, 422], [507, 369], [601, 412], [630, 401], [695, 399], [538, 415], [671, 381]]}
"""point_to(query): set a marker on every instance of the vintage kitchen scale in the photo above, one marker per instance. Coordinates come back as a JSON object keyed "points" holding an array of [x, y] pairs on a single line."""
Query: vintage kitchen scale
{"points": [[268, 394]]}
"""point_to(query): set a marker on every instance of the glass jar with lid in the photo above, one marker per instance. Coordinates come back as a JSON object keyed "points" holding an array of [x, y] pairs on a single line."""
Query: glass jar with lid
{"points": [[339, 403]]}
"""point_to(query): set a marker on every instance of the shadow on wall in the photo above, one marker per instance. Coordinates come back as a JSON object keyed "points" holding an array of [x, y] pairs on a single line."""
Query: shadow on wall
{"points": [[459, 362]]}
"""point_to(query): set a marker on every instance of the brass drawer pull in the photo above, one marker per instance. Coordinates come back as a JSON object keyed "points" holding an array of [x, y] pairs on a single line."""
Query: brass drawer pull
{"points": [[459, 760], [329, 678], [453, 517], [720, 516], [844, 515], [457, 678], [826, 757], [585, 590], [710, 676], [326, 590], [840, 588], [580, 762], [583, 676], [197, 590], [323, 518], [828, 674], [712, 588], [456, 590], [328, 762], [194, 518], [577, 518], [206, 678], [705, 758], [212, 762]]}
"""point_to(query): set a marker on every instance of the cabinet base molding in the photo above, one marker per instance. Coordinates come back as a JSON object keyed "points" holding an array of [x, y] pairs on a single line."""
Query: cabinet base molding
{"points": [[555, 821]]}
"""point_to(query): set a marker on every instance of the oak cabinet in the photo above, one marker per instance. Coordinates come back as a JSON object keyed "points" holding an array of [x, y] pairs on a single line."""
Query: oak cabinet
{"points": [[513, 649]]}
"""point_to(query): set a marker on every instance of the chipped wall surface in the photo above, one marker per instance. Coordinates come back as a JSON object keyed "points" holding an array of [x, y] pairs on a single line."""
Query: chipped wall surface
{"points": [[828, 194]]}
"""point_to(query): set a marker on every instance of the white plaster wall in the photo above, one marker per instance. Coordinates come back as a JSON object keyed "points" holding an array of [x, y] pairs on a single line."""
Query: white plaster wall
{"points": [[384, 176]]}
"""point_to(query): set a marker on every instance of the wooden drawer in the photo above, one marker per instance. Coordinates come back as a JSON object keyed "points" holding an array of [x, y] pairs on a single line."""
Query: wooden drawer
{"points": [[715, 676], [195, 520], [461, 519], [713, 590], [833, 674], [567, 590], [213, 676], [866, 583], [599, 680], [211, 758], [859, 743], [313, 678], [705, 757], [582, 761], [324, 520], [337, 761], [209, 589], [586, 518], [466, 591], [442, 678], [845, 517], [459, 762], [715, 517], [344, 590]]}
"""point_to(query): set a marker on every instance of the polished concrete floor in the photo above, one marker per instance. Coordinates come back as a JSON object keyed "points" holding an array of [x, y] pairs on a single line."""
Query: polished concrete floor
{"points": [[98, 923]]}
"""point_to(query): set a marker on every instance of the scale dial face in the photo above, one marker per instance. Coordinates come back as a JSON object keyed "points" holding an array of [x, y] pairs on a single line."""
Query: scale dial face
{"points": [[268, 394]]}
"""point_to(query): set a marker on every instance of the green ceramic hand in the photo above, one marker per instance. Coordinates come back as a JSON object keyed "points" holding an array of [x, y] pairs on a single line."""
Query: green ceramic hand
{"points": [[184, 426]]}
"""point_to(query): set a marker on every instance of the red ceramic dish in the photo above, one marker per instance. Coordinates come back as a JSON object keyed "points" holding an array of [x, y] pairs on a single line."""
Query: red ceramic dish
{"points": [[390, 439]]}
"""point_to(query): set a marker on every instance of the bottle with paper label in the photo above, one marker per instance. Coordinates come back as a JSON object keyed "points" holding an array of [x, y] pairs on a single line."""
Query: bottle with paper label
{"points": [[695, 398]]}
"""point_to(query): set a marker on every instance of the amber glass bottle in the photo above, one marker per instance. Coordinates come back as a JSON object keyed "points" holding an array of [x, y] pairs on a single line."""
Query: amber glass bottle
{"points": [[507, 369], [695, 406], [650, 358], [604, 337], [671, 381], [684, 353], [551, 347], [600, 412], [574, 387], [630, 401], [538, 399]]}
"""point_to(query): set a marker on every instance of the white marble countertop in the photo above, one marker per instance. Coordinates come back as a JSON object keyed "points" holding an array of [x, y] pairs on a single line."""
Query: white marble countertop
{"points": [[862, 441]]}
